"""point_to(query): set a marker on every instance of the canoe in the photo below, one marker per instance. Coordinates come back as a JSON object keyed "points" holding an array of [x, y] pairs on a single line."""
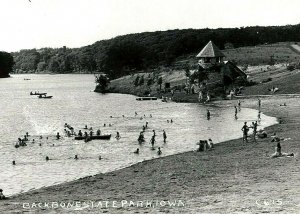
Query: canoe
{"points": [[95, 137], [45, 97], [146, 98], [38, 93]]}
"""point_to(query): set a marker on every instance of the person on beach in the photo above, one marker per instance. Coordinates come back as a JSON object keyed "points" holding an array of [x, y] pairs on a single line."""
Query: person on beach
{"points": [[57, 136], [159, 151], [118, 136], [137, 151], [98, 132], [164, 136], [278, 152], [2, 197], [208, 114], [245, 130], [210, 144], [235, 112], [254, 126]]}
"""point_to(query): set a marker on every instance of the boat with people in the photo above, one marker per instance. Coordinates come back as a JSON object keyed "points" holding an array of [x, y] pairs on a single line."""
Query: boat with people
{"points": [[45, 97], [95, 137], [37, 93]]}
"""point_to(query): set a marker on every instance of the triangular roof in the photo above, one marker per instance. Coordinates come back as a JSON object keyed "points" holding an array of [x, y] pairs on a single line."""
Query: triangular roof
{"points": [[210, 50]]}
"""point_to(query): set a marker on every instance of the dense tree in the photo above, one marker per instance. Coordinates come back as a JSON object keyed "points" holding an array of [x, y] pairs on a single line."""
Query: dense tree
{"points": [[130, 53], [159, 82], [6, 64], [102, 83]]}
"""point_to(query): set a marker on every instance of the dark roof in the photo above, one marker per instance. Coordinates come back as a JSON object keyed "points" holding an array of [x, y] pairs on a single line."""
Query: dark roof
{"points": [[210, 50]]}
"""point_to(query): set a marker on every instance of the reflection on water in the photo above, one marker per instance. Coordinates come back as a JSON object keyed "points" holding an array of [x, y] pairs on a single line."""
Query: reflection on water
{"points": [[74, 103]]}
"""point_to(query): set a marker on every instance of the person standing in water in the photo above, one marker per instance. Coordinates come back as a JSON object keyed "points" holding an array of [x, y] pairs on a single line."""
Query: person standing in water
{"points": [[239, 105], [235, 112], [245, 130], [259, 103], [258, 116], [164, 136], [152, 141], [208, 114], [118, 136], [159, 151]]}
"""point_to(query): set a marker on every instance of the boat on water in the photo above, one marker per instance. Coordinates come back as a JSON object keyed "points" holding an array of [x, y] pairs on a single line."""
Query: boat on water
{"points": [[37, 93], [96, 137], [146, 98], [45, 97]]}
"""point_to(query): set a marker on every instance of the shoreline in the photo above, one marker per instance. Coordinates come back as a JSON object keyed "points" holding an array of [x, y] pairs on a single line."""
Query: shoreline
{"points": [[46, 192]]}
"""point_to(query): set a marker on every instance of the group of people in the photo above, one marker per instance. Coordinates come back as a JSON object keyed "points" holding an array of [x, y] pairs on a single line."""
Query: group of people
{"points": [[205, 145]]}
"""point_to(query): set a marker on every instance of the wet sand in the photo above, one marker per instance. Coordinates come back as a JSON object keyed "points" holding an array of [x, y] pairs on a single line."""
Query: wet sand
{"points": [[235, 177]]}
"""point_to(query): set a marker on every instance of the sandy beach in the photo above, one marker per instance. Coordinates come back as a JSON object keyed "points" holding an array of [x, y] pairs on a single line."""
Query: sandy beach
{"points": [[235, 177]]}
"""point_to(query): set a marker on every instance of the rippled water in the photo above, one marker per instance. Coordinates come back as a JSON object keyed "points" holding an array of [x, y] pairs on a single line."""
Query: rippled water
{"points": [[74, 103]]}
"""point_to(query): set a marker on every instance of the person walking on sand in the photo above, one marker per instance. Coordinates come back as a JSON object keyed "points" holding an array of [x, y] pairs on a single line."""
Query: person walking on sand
{"points": [[164, 136], [245, 130], [208, 114]]}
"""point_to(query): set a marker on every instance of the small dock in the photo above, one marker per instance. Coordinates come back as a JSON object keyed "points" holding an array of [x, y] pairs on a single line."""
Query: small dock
{"points": [[146, 98]]}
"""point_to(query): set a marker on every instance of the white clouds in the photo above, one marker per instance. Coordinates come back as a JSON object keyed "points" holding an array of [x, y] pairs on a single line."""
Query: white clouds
{"points": [[74, 23]]}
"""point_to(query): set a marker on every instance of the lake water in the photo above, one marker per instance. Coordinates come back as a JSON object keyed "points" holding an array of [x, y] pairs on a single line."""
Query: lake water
{"points": [[74, 103]]}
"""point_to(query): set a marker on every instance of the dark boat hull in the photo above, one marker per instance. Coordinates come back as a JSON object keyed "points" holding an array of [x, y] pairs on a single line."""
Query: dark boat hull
{"points": [[96, 137], [38, 93], [48, 97]]}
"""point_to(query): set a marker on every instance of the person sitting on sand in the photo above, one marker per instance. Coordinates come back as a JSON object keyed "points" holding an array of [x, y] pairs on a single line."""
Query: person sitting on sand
{"points": [[159, 151], [210, 144], [2, 197], [278, 152], [137, 151]]}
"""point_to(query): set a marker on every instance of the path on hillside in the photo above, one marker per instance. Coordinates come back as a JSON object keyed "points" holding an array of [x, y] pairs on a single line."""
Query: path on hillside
{"points": [[295, 48]]}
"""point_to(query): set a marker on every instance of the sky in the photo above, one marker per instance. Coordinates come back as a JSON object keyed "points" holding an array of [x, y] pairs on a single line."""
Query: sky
{"points": [[27, 24]]}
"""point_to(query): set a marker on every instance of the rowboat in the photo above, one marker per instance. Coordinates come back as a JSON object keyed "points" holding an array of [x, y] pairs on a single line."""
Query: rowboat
{"points": [[95, 137], [45, 97], [36, 93]]}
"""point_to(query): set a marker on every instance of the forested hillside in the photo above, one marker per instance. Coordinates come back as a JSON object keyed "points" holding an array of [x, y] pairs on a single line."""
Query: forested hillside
{"points": [[129, 53], [6, 64]]}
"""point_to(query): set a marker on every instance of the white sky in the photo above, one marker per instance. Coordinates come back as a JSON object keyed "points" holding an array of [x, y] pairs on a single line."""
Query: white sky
{"points": [[76, 23]]}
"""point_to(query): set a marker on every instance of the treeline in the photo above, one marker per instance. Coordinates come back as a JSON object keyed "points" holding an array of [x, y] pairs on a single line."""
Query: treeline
{"points": [[6, 64], [127, 54]]}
